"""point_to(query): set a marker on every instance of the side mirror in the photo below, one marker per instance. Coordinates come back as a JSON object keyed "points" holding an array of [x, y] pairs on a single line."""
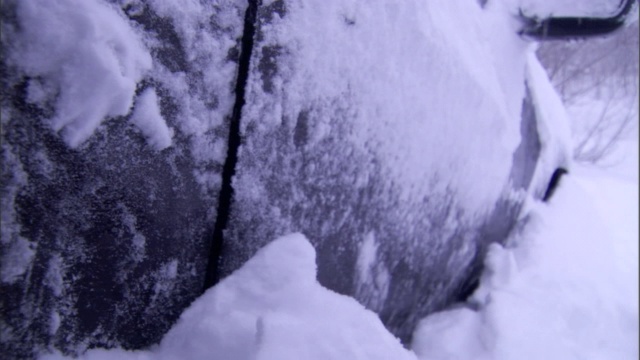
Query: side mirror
{"points": [[550, 27]]}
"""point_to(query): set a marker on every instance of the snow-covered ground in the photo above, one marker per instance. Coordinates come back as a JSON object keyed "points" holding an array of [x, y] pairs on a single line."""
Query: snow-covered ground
{"points": [[565, 287]]}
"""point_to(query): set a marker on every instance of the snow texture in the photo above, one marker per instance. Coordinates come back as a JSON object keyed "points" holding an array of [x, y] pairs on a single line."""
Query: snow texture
{"points": [[148, 118], [397, 119], [17, 252], [565, 288], [553, 126], [478, 80], [569, 8], [113, 140], [393, 124], [272, 309], [372, 275], [196, 69], [82, 55]]}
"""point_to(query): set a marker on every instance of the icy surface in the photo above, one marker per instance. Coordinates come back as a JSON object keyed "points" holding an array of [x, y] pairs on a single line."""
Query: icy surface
{"points": [[84, 56], [273, 309]]}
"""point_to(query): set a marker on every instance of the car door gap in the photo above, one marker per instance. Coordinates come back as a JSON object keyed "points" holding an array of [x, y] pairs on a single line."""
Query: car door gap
{"points": [[228, 171]]}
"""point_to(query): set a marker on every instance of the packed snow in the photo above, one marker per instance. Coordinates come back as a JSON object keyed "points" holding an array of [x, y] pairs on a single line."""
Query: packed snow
{"points": [[273, 308], [564, 287]]}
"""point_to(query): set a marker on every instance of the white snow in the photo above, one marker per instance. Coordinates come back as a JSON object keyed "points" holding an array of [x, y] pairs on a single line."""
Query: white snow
{"points": [[272, 309], [366, 255], [566, 288], [54, 278], [138, 240], [423, 84], [373, 277], [149, 120], [54, 324], [83, 56], [165, 281], [18, 251], [563, 288], [203, 92], [553, 127], [18, 256]]}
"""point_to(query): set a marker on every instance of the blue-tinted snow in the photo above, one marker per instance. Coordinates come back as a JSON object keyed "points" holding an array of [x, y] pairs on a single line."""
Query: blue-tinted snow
{"points": [[272, 308], [84, 57], [113, 139], [393, 119]]}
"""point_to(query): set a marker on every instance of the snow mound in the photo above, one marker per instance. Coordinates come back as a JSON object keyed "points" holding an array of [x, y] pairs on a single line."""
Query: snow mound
{"points": [[568, 289], [81, 55], [272, 308]]}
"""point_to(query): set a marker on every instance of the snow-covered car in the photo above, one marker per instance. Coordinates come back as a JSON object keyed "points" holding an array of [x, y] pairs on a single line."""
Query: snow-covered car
{"points": [[150, 148]]}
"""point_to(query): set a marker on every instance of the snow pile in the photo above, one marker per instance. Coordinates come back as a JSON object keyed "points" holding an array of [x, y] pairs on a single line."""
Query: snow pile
{"points": [[398, 119], [567, 289], [84, 57], [273, 308]]}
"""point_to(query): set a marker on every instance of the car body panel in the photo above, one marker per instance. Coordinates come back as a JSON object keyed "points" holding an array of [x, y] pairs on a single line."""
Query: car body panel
{"points": [[384, 146], [114, 234], [400, 138]]}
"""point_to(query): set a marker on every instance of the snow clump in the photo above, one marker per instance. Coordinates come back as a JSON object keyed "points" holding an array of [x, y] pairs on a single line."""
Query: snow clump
{"points": [[85, 58]]}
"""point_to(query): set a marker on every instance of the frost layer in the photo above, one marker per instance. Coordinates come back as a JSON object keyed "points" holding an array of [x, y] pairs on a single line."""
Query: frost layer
{"points": [[397, 120], [106, 223]]}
